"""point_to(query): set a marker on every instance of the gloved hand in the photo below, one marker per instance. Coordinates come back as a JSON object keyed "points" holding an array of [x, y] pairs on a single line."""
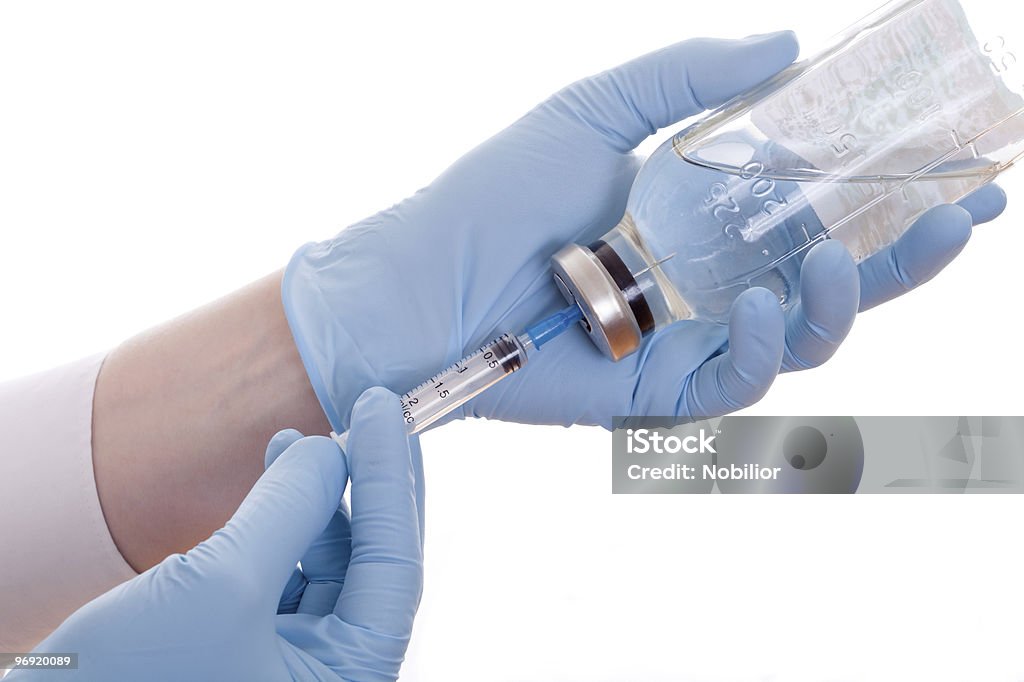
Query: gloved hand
{"points": [[237, 608], [404, 293]]}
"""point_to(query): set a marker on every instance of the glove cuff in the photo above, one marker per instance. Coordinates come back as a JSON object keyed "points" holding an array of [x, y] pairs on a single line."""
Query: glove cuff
{"points": [[307, 308]]}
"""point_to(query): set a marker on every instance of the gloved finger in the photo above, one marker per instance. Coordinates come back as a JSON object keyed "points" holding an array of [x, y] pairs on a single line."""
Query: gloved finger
{"points": [[281, 441], [416, 453], [985, 204], [740, 376], [367, 635], [929, 245], [291, 595], [829, 298], [628, 103], [385, 575], [665, 364], [325, 565], [282, 515], [316, 587]]}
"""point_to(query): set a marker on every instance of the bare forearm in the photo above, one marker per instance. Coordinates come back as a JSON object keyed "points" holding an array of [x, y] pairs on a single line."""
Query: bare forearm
{"points": [[182, 414]]}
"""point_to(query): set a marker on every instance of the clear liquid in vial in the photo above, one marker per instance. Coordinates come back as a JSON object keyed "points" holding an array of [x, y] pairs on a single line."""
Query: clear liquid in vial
{"points": [[715, 229]]}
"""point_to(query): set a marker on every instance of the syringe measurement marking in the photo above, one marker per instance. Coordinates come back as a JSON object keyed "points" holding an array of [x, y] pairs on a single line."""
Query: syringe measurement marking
{"points": [[407, 405], [408, 400], [504, 355]]}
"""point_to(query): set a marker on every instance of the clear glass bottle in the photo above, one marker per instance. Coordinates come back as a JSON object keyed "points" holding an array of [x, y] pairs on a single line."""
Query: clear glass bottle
{"points": [[917, 105]]}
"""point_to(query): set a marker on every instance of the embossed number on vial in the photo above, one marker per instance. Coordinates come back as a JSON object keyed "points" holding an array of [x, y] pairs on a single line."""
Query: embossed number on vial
{"points": [[1002, 59]]}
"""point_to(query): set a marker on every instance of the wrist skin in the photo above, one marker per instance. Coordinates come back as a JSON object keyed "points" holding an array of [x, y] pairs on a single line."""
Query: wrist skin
{"points": [[182, 414]]}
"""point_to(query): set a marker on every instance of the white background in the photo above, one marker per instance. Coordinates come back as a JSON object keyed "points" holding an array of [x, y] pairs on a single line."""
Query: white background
{"points": [[156, 155]]}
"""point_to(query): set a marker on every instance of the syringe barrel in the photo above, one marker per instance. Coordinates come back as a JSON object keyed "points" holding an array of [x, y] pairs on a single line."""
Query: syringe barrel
{"points": [[453, 387], [463, 381]]}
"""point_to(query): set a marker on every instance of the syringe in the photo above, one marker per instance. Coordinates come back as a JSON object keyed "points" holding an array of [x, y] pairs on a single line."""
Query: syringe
{"points": [[475, 373]]}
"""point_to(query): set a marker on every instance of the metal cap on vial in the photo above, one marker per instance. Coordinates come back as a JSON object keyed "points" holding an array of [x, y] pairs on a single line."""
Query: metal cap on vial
{"points": [[616, 314]]}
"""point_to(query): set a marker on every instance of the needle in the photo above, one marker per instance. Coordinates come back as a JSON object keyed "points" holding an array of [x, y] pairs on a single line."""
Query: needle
{"points": [[655, 264]]}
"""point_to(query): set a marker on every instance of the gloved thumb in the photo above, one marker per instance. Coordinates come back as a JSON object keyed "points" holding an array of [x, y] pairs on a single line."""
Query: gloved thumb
{"points": [[281, 441], [632, 101], [287, 509]]}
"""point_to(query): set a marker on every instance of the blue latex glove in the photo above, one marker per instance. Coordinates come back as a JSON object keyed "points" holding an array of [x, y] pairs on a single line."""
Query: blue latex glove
{"points": [[402, 294], [237, 608]]}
